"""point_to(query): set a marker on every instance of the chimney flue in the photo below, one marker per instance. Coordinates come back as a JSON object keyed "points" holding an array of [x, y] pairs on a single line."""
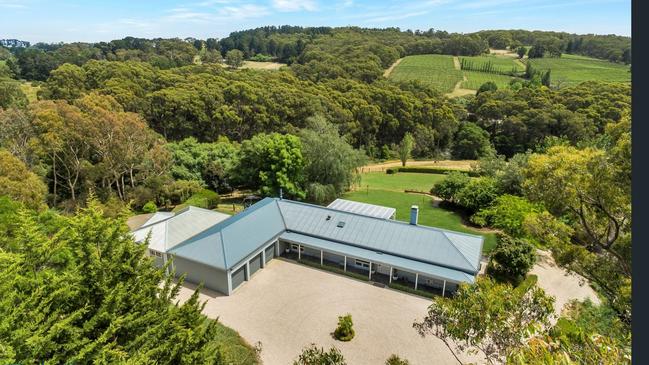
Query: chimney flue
{"points": [[414, 215]]}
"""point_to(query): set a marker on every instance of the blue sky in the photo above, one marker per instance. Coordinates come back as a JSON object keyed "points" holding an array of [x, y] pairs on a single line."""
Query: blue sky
{"points": [[75, 20]]}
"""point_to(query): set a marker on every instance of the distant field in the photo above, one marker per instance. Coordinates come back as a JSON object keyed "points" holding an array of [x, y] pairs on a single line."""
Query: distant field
{"points": [[476, 79], [262, 65], [435, 70], [572, 69], [439, 71]]}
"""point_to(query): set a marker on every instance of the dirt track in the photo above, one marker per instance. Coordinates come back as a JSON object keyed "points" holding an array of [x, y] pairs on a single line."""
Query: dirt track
{"points": [[387, 72]]}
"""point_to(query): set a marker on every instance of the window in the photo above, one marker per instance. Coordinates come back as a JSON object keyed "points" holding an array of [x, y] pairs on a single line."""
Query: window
{"points": [[295, 247], [155, 253], [362, 263]]}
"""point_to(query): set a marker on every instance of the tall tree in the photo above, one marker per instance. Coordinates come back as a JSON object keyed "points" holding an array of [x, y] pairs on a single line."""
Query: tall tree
{"points": [[234, 58], [405, 148]]}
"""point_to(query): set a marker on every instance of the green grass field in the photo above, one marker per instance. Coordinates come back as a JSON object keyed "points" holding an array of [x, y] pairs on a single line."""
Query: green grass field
{"points": [[388, 190], [435, 70], [476, 79], [234, 348], [572, 69]]}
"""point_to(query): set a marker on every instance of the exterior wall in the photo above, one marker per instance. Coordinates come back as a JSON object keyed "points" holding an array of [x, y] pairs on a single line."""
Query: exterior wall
{"points": [[332, 257], [432, 282], [157, 257], [405, 275], [270, 252], [283, 246], [212, 278], [238, 277]]}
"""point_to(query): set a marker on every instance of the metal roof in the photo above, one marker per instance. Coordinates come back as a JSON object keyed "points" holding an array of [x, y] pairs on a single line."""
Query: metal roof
{"points": [[227, 243], [426, 244], [436, 252], [370, 210], [169, 229], [385, 259]]}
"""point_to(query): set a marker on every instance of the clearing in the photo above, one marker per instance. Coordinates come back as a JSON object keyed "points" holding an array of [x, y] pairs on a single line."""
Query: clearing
{"points": [[573, 69], [255, 65], [389, 190], [287, 306], [434, 70], [464, 165]]}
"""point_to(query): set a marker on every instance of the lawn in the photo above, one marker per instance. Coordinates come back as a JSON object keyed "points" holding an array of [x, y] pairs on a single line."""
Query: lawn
{"points": [[388, 190], [437, 71], [234, 348], [572, 69]]}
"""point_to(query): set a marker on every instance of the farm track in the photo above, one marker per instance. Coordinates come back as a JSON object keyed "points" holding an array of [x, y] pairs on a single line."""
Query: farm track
{"points": [[387, 72], [458, 90]]}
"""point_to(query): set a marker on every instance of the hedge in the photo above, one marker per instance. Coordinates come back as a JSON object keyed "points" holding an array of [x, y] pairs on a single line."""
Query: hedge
{"points": [[429, 170]]}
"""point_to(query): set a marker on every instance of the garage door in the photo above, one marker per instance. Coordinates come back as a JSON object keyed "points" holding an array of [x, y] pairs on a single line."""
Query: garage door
{"points": [[270, 253], [238, 277], [255, 264]]}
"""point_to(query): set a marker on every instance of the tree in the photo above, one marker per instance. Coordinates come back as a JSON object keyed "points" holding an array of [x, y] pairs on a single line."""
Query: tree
{"points": [[17, 182], [11, 95], [471, 142], [271, 162], [345, 330], [477, 194], [512, 259], [487, 86], [82, 290], [66, 82], [521, 51], [329, 159], [405, 148], [546, 79], [508, 212], [150, 207], [396, 360], [452, 184], [490, 317], [234, 58], [313, 355], [590, 189]]}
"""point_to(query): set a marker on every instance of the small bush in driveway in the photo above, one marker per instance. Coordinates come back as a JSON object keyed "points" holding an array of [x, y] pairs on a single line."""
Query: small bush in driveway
{"points": [[396, 360], [314, 355], [345, 329]]}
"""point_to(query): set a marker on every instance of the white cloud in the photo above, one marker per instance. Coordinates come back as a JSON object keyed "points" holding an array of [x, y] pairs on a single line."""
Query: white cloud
{"points": [[9, 4], [295, 5]]}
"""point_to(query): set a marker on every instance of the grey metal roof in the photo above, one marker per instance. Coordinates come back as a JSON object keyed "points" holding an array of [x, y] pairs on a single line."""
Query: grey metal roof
{"points": [[440, 253], [435, 246], [386, 259], [225, 244], [169, 229], [370, 210]]}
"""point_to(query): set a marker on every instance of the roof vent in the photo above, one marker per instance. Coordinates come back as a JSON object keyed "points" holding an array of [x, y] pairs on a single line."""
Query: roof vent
{"points": [[328, 218], [341, 224], [414, 215]]}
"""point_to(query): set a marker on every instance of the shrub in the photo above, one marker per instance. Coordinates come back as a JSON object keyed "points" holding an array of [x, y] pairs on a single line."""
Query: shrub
{"points": [[150, 207], [204, 198], [477, 194], [396, 360], [314, 355], [345, 330], [508, 213], [511, 260], [448, 188]]}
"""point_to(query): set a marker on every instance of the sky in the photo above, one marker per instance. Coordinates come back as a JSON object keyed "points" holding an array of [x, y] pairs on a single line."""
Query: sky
{"points": [[93, 21]]}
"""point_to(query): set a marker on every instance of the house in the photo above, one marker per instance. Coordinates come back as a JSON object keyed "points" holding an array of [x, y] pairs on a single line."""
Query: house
{"points": [[228, 252]]}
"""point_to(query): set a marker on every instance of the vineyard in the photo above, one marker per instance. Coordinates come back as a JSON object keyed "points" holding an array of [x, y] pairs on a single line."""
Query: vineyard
{"points": [[571, 69], [492, 65], [437, 71]]}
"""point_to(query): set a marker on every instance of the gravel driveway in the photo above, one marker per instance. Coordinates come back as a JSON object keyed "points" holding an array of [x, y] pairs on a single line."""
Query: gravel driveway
{"points": [[287, 306]]}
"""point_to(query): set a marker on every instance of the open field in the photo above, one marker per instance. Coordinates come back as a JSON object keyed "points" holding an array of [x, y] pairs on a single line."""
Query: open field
{"points": [[449, 164], [572, 69], [30, 91], [272, 66], [388, 190], [434, 70]]}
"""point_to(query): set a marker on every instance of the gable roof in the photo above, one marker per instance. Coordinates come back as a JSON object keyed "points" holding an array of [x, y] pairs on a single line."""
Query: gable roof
{"points": [[227, 243], [168, 229], [370, 210]]}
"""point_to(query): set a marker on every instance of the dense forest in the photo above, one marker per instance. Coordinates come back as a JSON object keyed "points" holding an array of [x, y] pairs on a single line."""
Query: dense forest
{"points": [[137, 122]]}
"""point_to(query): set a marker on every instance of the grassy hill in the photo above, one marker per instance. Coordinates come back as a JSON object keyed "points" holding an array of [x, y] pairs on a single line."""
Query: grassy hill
{"points": [[434, 70], [441, 71], [572, 69]]}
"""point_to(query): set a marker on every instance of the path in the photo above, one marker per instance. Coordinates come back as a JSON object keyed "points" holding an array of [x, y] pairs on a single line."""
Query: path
{"points": [[458, 90], [561, 284], [387, 72]]}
